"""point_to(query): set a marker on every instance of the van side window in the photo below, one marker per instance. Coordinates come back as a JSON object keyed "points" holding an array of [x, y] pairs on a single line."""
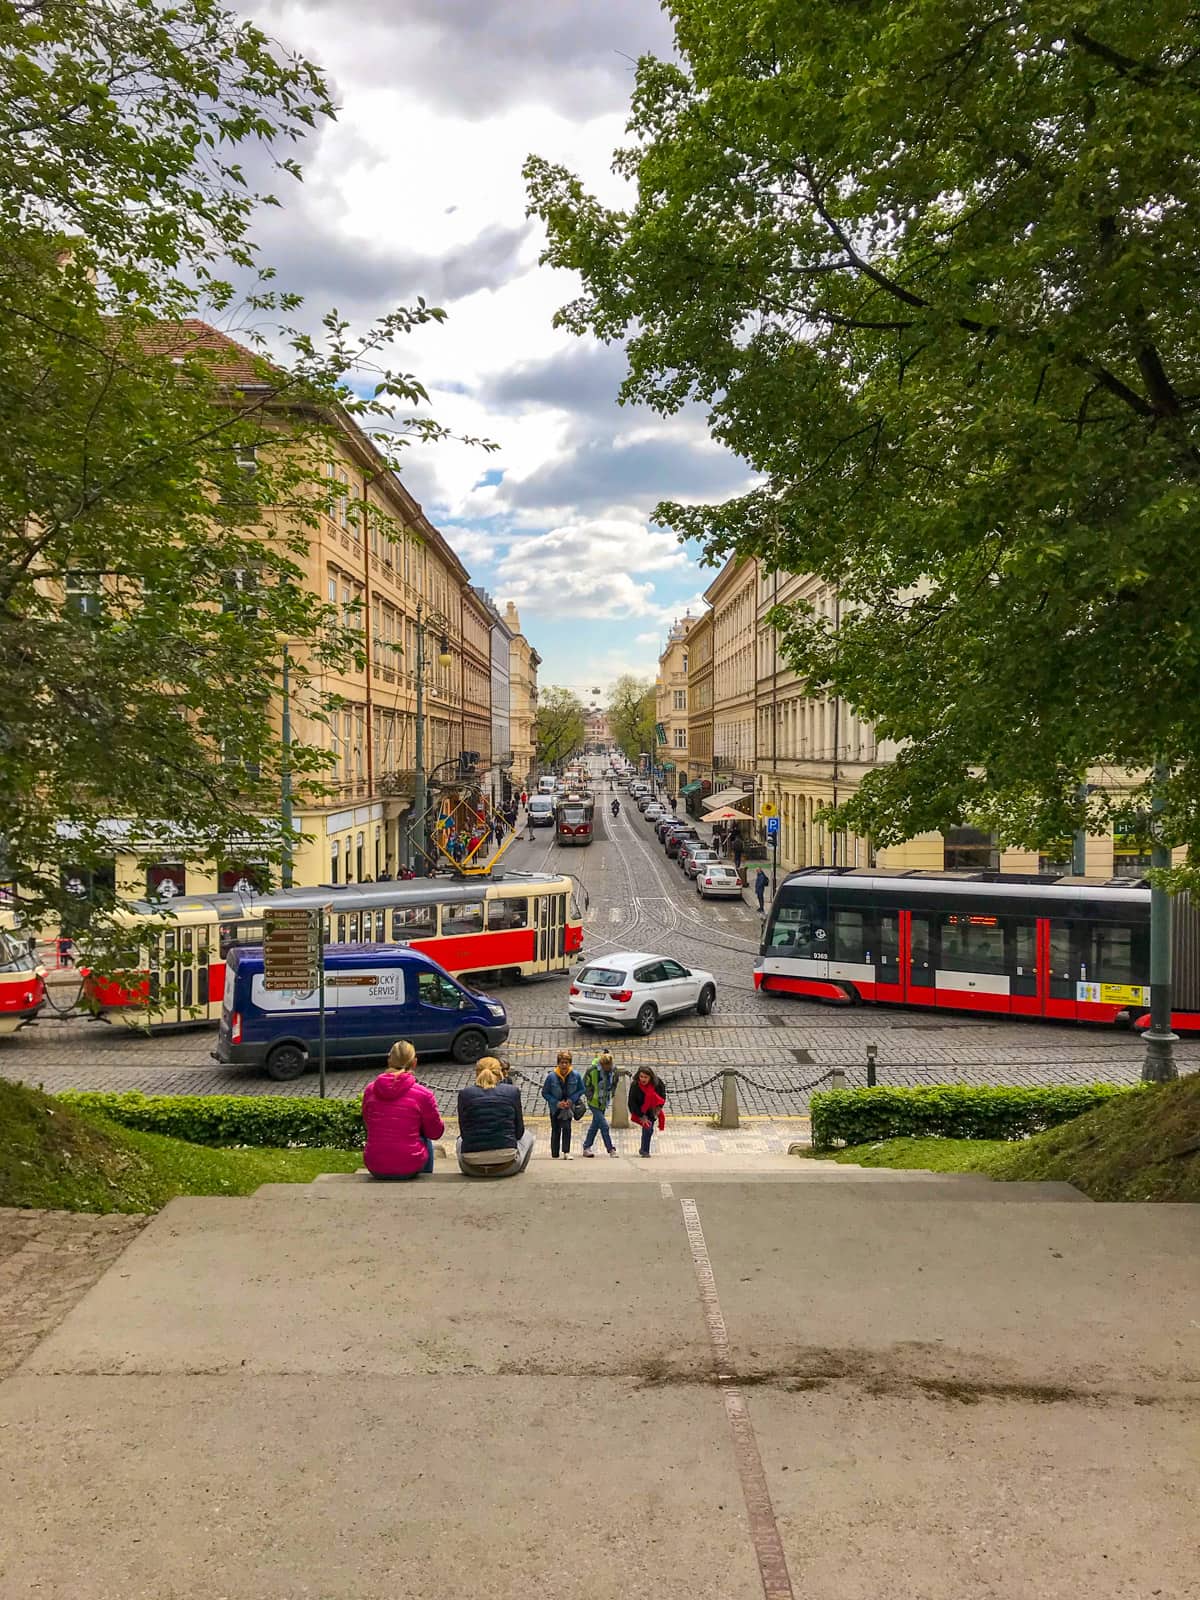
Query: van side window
{"points": [[465, 918], [507, 914], [434, 990], [414, 922]]}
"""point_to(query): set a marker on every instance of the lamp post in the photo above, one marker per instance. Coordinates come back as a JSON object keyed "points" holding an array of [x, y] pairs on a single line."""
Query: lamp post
{"points": [[1159, 1063], [435, 619]]}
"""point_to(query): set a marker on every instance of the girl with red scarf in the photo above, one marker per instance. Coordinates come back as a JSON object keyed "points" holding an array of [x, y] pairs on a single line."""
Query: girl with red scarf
{"points": [[647, 1096]]}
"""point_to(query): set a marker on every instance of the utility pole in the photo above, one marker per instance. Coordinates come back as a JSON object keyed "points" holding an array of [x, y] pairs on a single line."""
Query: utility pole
{"points": [[285, 772], [1159, 1063], [417, 823]]}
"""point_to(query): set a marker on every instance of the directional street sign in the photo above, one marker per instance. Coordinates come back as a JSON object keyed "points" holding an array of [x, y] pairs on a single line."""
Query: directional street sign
{"points": [[292, 949]]}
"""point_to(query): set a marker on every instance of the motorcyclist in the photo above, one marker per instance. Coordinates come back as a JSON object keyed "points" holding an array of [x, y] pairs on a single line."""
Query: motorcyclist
{"points": [[616, 808]]}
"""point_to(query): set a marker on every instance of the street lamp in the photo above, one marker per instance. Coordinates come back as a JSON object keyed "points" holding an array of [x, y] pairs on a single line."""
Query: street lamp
{"points": [[435, 619]]}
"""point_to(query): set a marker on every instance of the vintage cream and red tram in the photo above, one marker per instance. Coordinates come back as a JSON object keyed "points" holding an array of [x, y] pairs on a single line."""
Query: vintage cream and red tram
{"points": [[1076, 949], [22, 983], [513, 923]]}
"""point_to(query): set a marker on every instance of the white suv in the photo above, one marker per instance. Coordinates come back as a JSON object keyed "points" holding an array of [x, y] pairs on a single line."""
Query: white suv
{"points": [[632, 990]]}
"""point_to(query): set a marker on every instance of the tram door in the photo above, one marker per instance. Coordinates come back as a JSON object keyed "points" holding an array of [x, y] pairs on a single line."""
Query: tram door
{"points": [[920, 948], [1021, 958], [550, 928], [179, 975], [1064, 962]]}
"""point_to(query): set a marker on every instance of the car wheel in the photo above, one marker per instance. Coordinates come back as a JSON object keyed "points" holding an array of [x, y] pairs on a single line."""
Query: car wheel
{"points": [[708, 998], [647, 1019], [468, 1047], [285, 1062]]}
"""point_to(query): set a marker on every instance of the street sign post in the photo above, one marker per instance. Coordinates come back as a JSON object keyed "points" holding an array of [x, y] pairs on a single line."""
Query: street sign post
{"points": [[773, 836], [294, 958]]}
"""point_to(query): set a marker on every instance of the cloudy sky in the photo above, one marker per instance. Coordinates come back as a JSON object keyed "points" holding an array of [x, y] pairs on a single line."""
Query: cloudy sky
{"points": [[417, 189]]}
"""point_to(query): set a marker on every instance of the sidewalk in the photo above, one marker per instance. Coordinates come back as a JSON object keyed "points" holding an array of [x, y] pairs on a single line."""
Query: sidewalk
{"points": [[590, 1387]]}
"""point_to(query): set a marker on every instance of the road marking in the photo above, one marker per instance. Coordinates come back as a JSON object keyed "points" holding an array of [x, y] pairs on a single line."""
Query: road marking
{"points": [[615, 913], [667, 1192], [764, 1530]]}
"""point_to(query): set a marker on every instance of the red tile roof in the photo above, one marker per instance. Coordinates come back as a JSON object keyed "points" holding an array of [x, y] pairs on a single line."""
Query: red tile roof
{"points": [[232, 362]]}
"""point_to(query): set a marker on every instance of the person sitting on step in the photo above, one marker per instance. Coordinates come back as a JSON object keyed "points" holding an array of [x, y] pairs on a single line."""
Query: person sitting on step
{"points": [[492, 1138]]}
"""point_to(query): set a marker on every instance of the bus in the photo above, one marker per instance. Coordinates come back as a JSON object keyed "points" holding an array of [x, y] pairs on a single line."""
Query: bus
{"points": [[1074, 949], [574, 819], [513, 923]]}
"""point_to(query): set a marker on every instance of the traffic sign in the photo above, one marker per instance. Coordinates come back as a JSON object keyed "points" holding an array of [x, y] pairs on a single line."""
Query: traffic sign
{"points": [[772, 827], [769, 809], [292, 949]]}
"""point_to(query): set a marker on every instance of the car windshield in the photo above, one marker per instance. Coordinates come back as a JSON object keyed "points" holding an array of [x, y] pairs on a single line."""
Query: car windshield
{"points": [[601, 977]]}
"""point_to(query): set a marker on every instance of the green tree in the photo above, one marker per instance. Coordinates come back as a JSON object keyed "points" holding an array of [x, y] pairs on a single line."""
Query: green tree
{"points": [[153, 503], [631, 716], [931, 268], [559, 726]]}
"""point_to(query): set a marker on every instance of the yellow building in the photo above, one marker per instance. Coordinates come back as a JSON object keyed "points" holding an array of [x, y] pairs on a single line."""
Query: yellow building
{"points": [[732, 596], [523, 664], [700, 714], [671, 705], [376, 556]]}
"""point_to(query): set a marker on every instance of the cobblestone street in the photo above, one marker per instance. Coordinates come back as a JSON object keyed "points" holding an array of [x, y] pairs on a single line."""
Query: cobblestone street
{"points": [[637, 899]]}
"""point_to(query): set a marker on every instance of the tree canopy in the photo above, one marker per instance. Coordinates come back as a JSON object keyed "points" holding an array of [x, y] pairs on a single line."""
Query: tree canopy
{"points": [[152, 504], [631, 716], [931, 269], [559, 725]]}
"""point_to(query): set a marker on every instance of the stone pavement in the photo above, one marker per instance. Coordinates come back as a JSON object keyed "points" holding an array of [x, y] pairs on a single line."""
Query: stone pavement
{"points": [[696, 1389]]}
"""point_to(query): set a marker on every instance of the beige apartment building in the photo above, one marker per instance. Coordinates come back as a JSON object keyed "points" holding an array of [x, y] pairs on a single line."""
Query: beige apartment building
{"points": [[671, 705], [802, 754], [379, 559], [733, 598], [523, 664]]}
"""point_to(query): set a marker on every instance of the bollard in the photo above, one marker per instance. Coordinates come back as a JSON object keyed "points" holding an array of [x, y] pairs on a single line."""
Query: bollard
{"points": [[620, 1100], [837, 1078], [872, 1058], [729, 1103]]}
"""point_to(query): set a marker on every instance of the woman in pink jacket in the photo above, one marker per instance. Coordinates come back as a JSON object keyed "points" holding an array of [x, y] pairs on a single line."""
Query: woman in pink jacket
{"points": [[402, 1119]]}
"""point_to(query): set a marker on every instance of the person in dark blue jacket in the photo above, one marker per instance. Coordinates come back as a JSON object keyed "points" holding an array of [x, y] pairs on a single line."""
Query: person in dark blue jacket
{"points": [[562, 1089], [492, 1138]]}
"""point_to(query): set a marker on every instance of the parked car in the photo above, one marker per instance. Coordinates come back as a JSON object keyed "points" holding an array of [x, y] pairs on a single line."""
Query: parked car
{"points": [[665, 823], [718, 878], [633, 990], [676, 839], [374, 995], [693, 860], [653, 811], [644, 800]]}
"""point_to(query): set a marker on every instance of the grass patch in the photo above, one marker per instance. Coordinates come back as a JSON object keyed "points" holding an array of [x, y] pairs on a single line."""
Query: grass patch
{"points": [[1143, 1146], [55, 1157]]}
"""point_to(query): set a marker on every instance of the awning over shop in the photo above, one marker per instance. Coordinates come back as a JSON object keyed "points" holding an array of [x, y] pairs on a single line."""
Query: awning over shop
{"points": [[691, 788], [727, 797]]}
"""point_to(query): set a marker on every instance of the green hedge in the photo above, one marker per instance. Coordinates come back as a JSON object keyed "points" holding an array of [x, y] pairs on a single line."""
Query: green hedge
{"points": [[273, 1121], [948, 1111]]}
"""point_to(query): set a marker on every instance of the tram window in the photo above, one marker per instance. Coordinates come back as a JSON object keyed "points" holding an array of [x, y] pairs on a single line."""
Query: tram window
{"points": [[380, 927], [1025, 948], [414, 922], [354, 928], [888, 950], [972, 944], [465, 918], [796, 929], [341, 929], [849, 934], [503, 914], [1119, 954], [235, 933]]}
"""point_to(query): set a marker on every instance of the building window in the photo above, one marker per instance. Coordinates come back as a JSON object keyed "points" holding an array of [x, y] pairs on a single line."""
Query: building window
{"points": [[971, 850], [681, 738], [681, 699], [82, 594]]}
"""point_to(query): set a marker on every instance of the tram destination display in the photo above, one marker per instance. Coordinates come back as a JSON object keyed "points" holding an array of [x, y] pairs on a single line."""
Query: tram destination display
{"points": [[291, 949]]}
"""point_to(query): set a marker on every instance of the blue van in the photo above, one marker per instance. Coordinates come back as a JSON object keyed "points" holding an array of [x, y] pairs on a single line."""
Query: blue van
{"points": [[374, 995]]}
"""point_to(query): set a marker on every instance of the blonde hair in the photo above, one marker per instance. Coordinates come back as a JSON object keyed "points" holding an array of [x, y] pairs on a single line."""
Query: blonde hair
{"points": [[487, 1066], [605, 1058], [402, 1057], [564, 1058]]}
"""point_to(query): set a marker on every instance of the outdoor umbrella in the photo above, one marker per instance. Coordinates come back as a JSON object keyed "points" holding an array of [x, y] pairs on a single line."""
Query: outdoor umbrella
{"points": [[726, 814]]}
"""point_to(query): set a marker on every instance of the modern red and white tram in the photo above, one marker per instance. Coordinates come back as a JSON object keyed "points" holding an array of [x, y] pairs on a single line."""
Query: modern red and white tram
{"points": [[1071, 948], [515, 923]]}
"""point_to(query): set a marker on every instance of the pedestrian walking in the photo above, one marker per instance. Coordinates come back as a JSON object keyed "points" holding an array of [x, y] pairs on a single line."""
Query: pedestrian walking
{"points": [[402, 1119], [647, 1096], [599, 1081], [760, 889], [737, 850], [563, 1094], [529, 827]]}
